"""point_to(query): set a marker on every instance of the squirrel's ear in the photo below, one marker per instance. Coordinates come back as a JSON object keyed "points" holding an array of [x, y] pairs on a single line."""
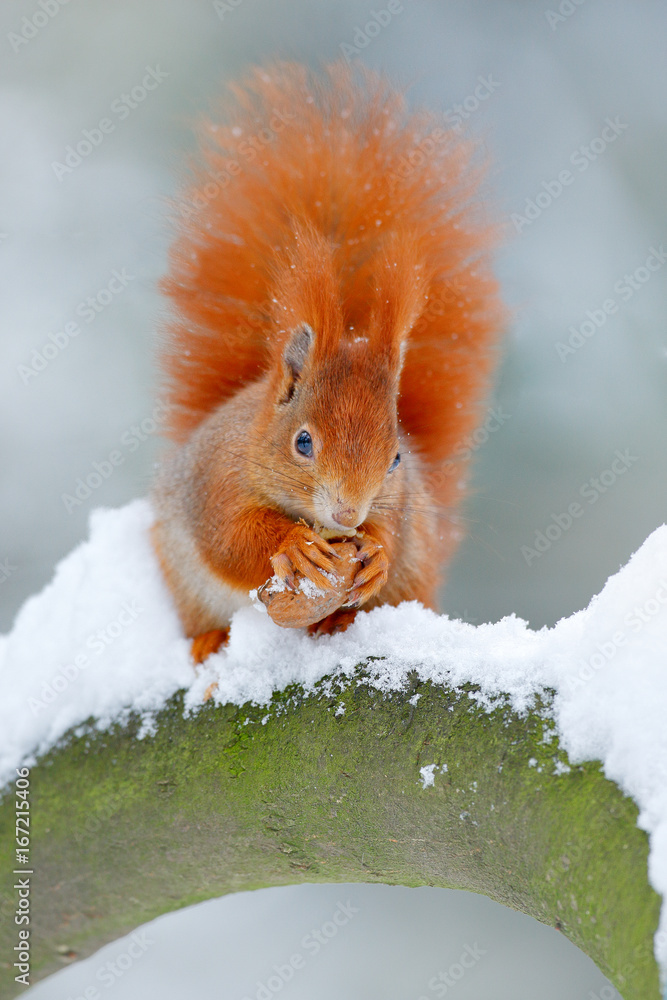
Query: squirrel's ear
{"points": [[296, 354], [297, 349]]}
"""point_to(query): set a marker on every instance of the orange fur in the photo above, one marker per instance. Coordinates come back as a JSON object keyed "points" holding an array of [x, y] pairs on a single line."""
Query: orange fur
{"points": [[208, 642], [323, 200], [335, 166]]}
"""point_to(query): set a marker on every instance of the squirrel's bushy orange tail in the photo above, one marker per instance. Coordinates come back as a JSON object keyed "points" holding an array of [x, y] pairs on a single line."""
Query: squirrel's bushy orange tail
{"points": [[391, 192]]}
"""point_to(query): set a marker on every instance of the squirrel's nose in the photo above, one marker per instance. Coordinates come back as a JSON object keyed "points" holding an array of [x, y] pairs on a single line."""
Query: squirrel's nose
{"points": [[347, 517]]}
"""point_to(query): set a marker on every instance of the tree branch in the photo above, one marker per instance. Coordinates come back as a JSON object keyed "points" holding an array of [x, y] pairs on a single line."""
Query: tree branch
{"points": [[124, 829]]}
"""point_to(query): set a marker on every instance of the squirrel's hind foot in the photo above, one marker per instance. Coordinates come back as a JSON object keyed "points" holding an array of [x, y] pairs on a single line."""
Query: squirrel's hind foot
{"points": [[208, 642]]}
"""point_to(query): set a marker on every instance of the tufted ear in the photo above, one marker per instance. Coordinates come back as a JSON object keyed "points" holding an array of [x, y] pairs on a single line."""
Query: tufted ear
{"points": [[295, 356], [297, 349]]}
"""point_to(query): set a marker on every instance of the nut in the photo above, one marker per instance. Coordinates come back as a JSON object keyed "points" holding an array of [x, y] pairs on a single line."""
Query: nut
{"points": [[308, 604]]}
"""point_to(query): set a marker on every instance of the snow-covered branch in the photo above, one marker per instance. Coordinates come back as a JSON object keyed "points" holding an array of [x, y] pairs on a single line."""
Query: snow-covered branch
{"points": [[410, 749]]}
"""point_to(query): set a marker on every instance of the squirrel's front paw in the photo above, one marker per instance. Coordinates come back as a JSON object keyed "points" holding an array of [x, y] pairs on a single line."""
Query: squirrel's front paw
{"points": [[303, 550], [372, 574]]}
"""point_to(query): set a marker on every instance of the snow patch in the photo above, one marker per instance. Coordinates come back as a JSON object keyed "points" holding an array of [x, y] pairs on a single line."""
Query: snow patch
{"points": [[426, 772]]}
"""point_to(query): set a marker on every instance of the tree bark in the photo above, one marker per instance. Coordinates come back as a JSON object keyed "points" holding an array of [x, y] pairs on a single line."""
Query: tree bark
{"points": [[229, 799]]}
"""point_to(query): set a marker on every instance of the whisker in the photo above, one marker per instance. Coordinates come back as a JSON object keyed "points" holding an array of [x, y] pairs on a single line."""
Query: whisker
{"points": [[278, 473], [409, 509], [308, 473]]}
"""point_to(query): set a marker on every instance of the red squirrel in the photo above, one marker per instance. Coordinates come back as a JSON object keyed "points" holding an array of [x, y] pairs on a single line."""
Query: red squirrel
{"points": [[335, 327]]}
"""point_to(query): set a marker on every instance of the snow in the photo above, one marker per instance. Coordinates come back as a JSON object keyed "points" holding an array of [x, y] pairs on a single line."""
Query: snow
{"points": [[103, 639], [427, 775], [311, 591]]}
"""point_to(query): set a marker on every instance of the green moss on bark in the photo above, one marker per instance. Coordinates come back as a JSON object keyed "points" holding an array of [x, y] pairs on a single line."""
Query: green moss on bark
{"points": [[233, 798]]}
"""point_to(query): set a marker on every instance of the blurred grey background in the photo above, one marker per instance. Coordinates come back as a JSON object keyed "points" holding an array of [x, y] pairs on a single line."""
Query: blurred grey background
{"points": [[574, 269], [389, 943]]}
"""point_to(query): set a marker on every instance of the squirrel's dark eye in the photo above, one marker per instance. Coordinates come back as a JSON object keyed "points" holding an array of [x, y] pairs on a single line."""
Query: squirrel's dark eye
{"points": [[304, 444], [394, 464]]}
